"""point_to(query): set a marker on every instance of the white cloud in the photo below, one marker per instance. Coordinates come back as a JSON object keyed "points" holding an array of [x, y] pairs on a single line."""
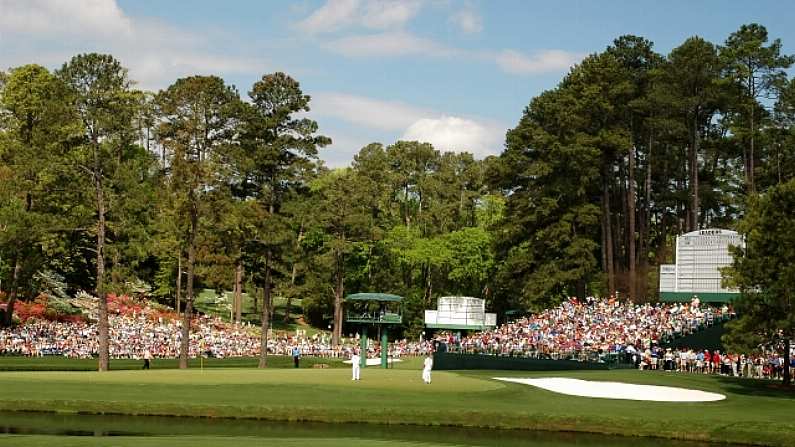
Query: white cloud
{"points": [[155, 53], [468, 20], [481, 137], [368, 112], [391, 43], [546, 61], [386, 14], [335, 15], [63, 17], [451, 133]]}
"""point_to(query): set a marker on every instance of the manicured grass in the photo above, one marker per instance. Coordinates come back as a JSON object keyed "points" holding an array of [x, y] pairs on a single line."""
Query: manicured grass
{"points": [[753, 413], [197, 441], [54, 363]]}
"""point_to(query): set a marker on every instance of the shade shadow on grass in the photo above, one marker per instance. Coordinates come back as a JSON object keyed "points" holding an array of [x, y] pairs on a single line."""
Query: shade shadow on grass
{"points": [[758, 387]]}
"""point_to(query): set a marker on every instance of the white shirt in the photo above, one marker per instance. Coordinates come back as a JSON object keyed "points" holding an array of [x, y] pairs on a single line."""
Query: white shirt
{"points": [[428, 363]]}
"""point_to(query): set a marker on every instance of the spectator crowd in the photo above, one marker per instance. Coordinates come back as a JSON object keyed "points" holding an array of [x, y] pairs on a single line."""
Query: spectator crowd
{"points": [[590, 329], [592, 326], [144, 331], [608, 330], [762, 365]]}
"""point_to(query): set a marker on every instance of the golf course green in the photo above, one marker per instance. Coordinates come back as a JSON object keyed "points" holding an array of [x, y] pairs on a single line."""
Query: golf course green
{"points": [[754, 412]]}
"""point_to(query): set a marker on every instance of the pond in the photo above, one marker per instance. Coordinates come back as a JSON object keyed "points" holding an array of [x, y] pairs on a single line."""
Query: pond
{"points": [[117, 428]]}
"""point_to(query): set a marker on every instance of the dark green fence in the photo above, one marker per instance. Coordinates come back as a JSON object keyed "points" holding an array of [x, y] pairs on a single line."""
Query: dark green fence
{"points": [[707, 338], [447, 361]]}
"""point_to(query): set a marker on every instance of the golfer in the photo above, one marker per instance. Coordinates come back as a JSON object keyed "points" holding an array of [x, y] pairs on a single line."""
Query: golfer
{"points": [[355, 367], [147, 359], [296, 356], [426, 369]]}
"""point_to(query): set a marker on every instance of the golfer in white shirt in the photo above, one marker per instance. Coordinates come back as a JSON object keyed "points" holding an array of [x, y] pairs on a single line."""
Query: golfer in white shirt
{"points": [[427, 367], [355, 367]]}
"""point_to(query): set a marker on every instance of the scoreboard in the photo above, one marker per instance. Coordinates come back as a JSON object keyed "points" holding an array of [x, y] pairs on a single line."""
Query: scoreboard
{"points": [[699, 257], [460, 312]]}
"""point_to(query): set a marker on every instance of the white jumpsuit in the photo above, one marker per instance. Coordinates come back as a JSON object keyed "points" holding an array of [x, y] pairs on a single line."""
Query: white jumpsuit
{"points": [[355, 367], [426, 370]]}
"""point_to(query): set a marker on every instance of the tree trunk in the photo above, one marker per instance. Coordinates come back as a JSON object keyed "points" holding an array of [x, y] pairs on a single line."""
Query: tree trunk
{"points": [[620, 233], [778, 162], [606, 222], [787, 360], [256, 303], [266, 308], [184, 348], [286, 319], [646, 224], [751, 183], [405, 205], [238, 304], [102, 324], [694, 207], [179, 281], [631, 230], [428, 286], [8, 316], [604, 246], [294, 273], [336, 335]]}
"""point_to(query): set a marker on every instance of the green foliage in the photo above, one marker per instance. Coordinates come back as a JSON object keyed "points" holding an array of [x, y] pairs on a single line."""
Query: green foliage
{"points": [[51, 284], [471, 259], [764, 270], [551, 168], [36, 125]]}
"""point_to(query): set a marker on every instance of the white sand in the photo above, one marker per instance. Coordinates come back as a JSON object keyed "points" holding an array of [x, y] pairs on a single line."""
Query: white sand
{"points": [[373, 362], [617, 390]]}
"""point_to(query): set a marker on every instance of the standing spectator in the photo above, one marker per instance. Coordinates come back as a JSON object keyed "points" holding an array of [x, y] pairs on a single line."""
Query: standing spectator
{"points": [[669, 360], [355, 367], [426, 369], [296, 356]]}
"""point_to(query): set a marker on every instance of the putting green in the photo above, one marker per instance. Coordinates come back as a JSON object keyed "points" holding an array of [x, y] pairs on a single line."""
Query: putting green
{"points": [[339, 379]]}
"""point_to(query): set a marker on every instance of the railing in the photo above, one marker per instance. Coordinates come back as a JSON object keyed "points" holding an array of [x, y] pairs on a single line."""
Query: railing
{"points": [[613, 359], [368, 317]]}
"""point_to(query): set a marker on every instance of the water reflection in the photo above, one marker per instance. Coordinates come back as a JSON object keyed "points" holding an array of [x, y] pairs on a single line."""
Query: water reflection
{"points": [[109, 425]]}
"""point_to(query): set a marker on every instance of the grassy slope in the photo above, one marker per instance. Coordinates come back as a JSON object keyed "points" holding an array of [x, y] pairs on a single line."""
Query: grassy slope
{"points": [[752, 413], [207, 302]]}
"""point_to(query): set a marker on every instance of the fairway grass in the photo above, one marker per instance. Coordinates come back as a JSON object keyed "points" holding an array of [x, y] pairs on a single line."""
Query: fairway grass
{"points": [[197, 441], [754, 412]]}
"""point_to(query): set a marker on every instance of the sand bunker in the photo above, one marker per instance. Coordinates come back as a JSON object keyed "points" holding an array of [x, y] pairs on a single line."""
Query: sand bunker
{"points": [[617, 390], [373, 362]]}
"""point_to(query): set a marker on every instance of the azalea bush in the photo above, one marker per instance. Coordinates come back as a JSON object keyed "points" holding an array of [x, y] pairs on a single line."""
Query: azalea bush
{"points": [[41, 309], [124, 305]]}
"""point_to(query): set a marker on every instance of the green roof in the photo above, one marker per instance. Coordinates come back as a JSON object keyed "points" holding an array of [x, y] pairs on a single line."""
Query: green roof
{"points": [[383, 297]]}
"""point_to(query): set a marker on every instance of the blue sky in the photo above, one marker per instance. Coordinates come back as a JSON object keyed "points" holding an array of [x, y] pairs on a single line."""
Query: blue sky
{"points": [[457, 73]]}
